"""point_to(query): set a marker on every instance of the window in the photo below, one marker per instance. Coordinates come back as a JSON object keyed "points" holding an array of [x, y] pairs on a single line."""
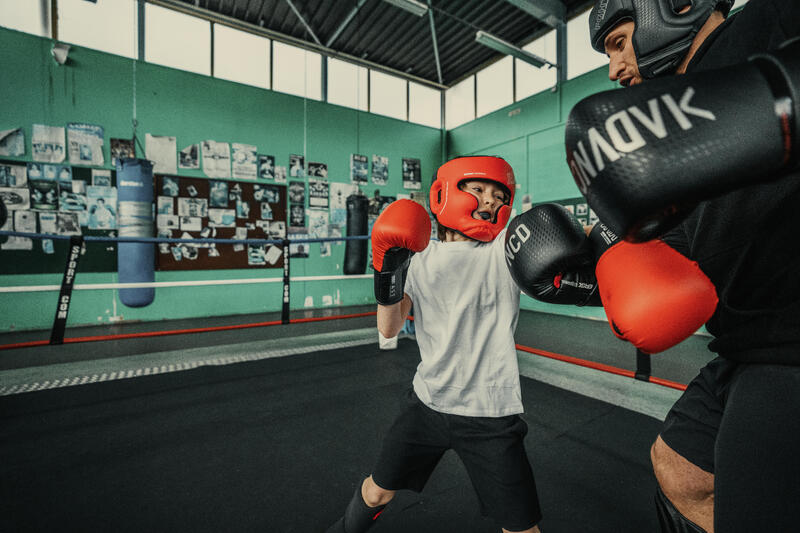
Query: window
{"points": [[495, 88], [30, 17], [388, 95], [296, 71], [530, 79], [241, 56], [424, 105], [459, 103], [176, 40], [581, 57], [107, 26], [347, 84]]}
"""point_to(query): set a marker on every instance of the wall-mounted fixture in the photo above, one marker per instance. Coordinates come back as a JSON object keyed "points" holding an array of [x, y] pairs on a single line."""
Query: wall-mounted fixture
{"points": [[412, 6], [495, 43], [60, 52]]}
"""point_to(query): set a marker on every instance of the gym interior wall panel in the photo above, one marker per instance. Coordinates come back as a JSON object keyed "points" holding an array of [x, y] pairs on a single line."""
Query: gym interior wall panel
{"points": [[98, 88], [36, 310], [579, 88], [548, 174], [514, 121], [36, 90], [194, 108], [366, 134]]}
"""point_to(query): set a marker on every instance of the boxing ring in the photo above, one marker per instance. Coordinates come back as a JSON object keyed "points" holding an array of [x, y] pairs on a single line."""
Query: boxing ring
{"points": [[267, 422]]}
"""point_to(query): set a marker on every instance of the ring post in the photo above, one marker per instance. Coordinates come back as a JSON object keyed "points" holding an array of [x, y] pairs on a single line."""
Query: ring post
{"points": [[67, 282], [285, 307], [642, 366]]}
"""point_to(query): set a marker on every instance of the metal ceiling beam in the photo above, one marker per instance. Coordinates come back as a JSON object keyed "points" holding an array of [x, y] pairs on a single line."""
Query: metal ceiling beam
{"points": [[435, 42], [344, 23], [260, 16], [504, 47], [189, 9], [303, 20], [551, 12], [247, 10], [561, 53]]}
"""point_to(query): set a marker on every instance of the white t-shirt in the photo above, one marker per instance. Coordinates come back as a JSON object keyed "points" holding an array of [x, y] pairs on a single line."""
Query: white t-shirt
{"points": [[466, 307]]}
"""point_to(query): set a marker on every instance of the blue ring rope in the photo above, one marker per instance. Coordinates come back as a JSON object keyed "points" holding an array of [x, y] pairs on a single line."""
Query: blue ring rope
{"points": [[97, 238]]}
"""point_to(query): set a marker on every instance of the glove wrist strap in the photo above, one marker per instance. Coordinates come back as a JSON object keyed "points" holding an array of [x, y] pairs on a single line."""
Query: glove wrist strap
{"points": [[390, 283], [601, 238]]}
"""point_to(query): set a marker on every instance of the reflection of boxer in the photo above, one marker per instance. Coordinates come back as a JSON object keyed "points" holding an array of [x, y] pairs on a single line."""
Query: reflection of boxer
{"points": [[466, 392], [719, 170]]}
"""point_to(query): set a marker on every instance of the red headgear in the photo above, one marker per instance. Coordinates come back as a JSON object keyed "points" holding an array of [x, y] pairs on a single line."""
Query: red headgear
{"points": [[453, 207]]}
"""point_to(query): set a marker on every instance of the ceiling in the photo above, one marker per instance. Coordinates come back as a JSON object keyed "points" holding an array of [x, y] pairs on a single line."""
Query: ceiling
{"points": [[384, 34]]}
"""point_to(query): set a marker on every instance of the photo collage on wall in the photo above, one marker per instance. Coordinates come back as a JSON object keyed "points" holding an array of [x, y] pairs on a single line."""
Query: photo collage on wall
{"points": [[56, 199], [195, 208], [121, 149], [380, 170], [297, 218], [359, 169], [236, 198], [577, 206], [412, 176], [318, 204]]}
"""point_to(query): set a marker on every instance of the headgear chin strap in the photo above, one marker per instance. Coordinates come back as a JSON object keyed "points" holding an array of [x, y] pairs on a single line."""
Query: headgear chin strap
{"points": [[453, 207], [661, 36]]}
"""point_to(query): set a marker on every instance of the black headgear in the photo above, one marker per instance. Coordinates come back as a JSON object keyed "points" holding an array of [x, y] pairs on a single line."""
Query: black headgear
{"points": [[661, 36]]}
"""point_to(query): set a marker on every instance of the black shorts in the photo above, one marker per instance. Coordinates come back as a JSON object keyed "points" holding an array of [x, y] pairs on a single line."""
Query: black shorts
{"points": [[491, 449], [741, 422]]}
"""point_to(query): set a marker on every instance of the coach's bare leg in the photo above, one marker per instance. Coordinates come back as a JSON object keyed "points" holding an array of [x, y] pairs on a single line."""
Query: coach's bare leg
{"points": [[688, 487]]}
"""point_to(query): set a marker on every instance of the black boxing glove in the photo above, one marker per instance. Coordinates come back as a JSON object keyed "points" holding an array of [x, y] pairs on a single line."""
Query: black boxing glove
{"points": [[644, 156], [549, 257]]}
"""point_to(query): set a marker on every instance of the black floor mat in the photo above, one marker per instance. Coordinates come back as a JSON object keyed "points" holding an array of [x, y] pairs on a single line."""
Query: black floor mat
{"points": [[278, 445]]}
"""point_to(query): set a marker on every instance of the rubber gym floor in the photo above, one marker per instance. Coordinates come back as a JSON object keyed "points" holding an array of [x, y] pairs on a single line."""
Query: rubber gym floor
{"points": [[271, 429]]}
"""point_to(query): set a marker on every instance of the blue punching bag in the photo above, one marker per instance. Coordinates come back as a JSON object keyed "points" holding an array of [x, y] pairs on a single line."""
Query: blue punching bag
{"points": [[135, 260]]}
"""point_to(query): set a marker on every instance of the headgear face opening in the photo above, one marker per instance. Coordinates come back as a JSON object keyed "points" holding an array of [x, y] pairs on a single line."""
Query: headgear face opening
{"points": [[661, 35], [453, 207]]}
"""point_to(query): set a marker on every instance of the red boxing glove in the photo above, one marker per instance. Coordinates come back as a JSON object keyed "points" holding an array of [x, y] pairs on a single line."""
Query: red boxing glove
{"points": [[400, 230], [654, 297]]}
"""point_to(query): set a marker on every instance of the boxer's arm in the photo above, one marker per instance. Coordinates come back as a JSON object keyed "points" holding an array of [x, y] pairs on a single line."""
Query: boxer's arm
{"points": [[678, 239], [645, 156], [401, 230], [392, 317]]}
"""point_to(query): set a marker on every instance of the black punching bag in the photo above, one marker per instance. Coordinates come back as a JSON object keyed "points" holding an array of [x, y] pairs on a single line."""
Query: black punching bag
{"points": [[355, 251], [4, 217]]}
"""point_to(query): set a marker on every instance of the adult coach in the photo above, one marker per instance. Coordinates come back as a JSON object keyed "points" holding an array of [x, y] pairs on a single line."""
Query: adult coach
{"points": [[712, 155]]}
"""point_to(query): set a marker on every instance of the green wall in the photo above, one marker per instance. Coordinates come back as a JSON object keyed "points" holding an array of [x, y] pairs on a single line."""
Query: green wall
{"points": [[99, 88], [530, 136]]}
